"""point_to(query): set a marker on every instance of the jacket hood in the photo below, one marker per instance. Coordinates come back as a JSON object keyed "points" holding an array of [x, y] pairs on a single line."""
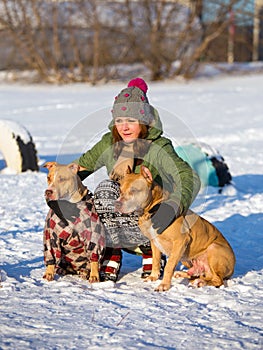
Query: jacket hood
{"points": [[156, 127]]}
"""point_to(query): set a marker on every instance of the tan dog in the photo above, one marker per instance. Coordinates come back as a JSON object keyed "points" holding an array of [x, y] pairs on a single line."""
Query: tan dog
{"points": [[189, 239], [81, 245]]}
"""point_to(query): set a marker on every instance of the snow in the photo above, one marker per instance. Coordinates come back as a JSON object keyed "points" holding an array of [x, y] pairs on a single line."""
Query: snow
{"points": [[16, 128], [69, 313]]}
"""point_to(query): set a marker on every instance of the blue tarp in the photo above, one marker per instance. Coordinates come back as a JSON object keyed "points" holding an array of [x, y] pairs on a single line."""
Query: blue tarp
{"points": [[200, 162]]}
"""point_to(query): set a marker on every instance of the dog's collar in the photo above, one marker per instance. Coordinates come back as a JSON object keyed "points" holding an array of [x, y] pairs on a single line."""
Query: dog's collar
{"points": [[66, 210], [55, 205]]}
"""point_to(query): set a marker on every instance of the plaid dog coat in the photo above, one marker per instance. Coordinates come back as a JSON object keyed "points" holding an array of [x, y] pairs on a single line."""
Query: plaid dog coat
{"points": [[72, 244]]}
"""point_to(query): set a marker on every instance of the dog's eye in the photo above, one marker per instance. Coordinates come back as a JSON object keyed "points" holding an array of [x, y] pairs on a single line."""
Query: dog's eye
{"points": [[134, 190], [62, 179]]}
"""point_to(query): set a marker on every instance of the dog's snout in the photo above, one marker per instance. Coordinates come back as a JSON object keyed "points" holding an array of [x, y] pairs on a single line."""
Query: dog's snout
{"points": [[48, 193]]}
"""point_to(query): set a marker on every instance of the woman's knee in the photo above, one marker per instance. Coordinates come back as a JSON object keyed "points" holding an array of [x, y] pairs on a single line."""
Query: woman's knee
{"points": [[105, 196], [107, 189]]}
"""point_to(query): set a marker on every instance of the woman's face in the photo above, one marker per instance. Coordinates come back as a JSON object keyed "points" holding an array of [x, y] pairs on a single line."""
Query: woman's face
{"points": [[128, 128]]}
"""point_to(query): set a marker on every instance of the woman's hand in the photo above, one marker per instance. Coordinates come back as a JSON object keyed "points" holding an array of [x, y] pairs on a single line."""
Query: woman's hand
{"points": [[165, 214]]}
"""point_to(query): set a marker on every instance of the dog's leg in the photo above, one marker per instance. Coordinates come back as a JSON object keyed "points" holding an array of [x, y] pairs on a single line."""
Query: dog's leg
{"points": [[156, 264], [94, 272], [49, 273], [220, 263], [178, 248], [215, 281], [181, 274]]}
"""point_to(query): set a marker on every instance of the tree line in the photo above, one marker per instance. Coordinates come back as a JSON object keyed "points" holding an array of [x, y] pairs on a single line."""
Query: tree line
{"points": [[89, 40]]}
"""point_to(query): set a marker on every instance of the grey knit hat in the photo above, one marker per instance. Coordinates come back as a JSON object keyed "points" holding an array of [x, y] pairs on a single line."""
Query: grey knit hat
{"points": [[132, 102]]}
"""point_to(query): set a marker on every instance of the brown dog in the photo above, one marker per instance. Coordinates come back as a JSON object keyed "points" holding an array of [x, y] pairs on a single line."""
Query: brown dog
{"points": [[189, 239], [74, 240]]}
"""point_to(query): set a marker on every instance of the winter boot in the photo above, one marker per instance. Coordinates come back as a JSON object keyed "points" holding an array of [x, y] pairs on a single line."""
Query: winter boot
{"points": [[147, 261], [111, 265]]}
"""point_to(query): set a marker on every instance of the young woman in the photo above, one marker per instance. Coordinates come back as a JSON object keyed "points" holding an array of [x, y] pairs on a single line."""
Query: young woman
{"points": [[135, 138]]}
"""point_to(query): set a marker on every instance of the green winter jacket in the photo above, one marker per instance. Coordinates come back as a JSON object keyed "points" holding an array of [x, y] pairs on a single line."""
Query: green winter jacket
{"points": [[167, 168]]}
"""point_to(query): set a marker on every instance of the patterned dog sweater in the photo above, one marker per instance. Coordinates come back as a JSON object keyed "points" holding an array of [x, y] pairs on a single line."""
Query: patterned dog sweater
{"points": [[72, 244]]}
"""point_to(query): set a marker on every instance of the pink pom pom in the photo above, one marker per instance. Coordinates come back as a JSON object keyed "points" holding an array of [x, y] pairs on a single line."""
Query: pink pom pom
{"points": [[139, 83]]}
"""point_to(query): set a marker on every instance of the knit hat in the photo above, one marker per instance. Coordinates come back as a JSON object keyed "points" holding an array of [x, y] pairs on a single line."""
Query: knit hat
{"points": [[140, 83], [132, 102]]}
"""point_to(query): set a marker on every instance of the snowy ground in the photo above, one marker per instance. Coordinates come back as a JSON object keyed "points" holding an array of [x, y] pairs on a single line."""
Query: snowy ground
{"points": [[69, 313]]}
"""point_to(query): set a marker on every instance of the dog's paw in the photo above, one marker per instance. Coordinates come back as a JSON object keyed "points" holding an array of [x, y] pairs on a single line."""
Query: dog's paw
{"points": [[48, 276], [198, 283], [163, 287], [49, 273], [152, 277], [94, 279], [181, 274]]}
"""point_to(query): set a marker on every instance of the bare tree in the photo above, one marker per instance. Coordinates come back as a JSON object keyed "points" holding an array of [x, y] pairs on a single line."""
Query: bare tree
{"points": [[215, 24], [46, 36], [160, 33], [258, 28], [82, 40], [15, 20], [152, 33]]}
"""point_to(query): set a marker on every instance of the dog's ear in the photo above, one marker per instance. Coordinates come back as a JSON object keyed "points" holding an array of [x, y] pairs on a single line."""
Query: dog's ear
{"points": [[73, 167], [145, 172], [49, 165]]}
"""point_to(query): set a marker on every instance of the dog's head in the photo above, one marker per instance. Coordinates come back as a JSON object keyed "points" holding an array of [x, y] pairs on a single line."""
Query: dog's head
{"points": [[63, 181], [135, 191]]}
